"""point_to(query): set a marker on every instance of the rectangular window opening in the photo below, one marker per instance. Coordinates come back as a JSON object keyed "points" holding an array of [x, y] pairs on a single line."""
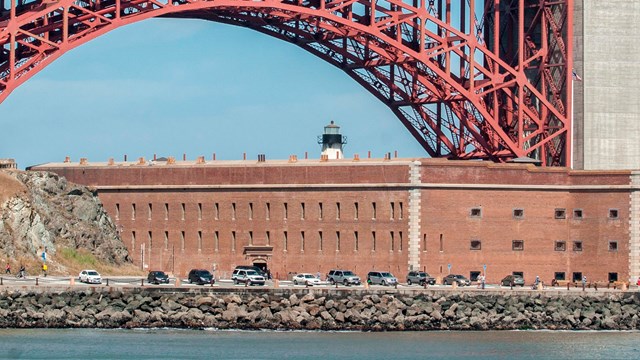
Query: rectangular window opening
{"points": [[560, 246], [473, 275], [286, 211], [233, 211], [517, 245], [613, 246], [355, 210], [337, 211], [268, 210], [577, 276], [199, 240], [577, 246], [356, 241], [302, 211], [441, 243], [559, 276], [373, 240], [302, 241], [518, 213], [199, 211], [133, 211], [166, 211], [268, 235], [166, 240], [475, 212], [424, 242], [320, 240], [393, 210], [233, 241], [613, 214], [560, 213], [392, 242], [577, 214], [149, 211], [374, 212], [150, 236], [400, 210], [250, 211], [216, 240], [320, 211], [613, 277], [476, 245], [250, 237], [216, 210], [117, 211], [184, 210], [182, 240], [337, 240]]}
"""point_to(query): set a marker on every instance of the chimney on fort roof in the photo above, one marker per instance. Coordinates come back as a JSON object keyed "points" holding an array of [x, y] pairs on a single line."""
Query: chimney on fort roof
{"points": [[67, 159], [332, 141], [262, 157], [110, 162], [356, 157], [141, 161], [83, 161]]}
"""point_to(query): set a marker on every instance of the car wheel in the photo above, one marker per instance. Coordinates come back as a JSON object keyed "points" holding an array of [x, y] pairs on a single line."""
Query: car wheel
{"points": [[345, 282], [235, 281], [333, 282], [408, 281], [384, 283], [295, 282]]}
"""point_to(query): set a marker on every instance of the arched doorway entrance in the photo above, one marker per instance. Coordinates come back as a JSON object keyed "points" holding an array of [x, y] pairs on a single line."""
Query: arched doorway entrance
{"points": [[262, 265]]}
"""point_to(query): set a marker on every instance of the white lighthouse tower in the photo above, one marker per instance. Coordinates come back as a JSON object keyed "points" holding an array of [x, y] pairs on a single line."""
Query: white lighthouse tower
{"points": [[332, 141]]}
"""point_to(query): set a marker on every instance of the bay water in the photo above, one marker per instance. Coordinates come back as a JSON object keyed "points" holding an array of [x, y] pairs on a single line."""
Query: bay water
{"points": [[225, 344]]}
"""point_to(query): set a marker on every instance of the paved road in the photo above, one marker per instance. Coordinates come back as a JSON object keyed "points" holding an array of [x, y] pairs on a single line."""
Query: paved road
{"points": [[135, 281]]}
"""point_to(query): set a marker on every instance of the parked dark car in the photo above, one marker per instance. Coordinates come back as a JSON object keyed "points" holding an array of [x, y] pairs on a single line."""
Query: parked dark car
{"points": [[460, 279], [157, 277], [200, 277], [419, 277], [516, 279]]}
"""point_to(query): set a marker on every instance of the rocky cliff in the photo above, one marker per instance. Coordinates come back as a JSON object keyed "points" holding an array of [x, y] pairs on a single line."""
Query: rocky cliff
{"points": [[40, 210]]}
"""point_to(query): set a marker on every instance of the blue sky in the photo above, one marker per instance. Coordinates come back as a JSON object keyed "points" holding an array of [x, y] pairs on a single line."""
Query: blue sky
{"points": [[172, 86]]}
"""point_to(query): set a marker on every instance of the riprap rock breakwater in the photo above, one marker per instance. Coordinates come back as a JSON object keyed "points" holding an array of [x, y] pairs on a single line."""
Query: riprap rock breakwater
{"points": [[317, 309]]}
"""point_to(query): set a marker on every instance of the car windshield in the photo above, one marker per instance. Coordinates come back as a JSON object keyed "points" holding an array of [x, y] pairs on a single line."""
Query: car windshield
{"points": [[251, 272], [92, 273], [348, 273], [459, 277], [423, 274], [309, 276], [203, 273], [387, 275]]}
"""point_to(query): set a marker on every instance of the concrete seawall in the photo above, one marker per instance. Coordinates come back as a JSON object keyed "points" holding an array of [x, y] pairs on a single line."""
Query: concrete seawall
{"points": [[316, 309]]}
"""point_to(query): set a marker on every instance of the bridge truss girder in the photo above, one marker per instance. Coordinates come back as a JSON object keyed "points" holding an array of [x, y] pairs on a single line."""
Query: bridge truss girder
{"points": [[469, 79]]}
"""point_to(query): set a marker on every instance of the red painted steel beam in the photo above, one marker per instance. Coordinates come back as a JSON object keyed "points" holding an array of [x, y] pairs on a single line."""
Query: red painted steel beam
{"points": [[469, 79]]}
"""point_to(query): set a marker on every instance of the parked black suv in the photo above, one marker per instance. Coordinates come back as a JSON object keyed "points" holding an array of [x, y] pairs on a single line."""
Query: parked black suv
{"points": [[157, 277], [201, 277]]}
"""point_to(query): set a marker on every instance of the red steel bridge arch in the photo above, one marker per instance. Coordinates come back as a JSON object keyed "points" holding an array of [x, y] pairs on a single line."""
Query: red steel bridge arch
{"points": [[469, 79]]}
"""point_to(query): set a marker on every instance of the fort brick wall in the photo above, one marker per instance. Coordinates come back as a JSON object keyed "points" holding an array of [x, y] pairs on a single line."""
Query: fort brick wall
{"points": [[310, 216]]}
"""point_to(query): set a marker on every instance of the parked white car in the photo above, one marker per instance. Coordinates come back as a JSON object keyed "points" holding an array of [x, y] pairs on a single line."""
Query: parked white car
{"points": [[306, 279], [90, 277]]}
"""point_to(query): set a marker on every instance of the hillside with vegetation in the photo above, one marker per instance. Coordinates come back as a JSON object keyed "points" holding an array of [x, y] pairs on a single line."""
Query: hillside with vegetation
{"points": [[40, 211]]}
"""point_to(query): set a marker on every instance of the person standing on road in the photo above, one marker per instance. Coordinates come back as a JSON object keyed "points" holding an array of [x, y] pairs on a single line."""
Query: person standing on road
{"points": [[318, 275], [8, 269], [44, 269], [584, 282]]}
